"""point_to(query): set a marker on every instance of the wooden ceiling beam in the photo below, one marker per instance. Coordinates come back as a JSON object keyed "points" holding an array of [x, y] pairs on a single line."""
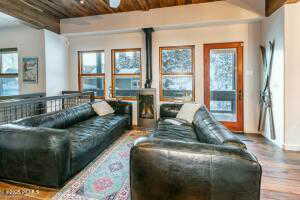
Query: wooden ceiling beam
{"points": [[273, 5], [30, 14]]}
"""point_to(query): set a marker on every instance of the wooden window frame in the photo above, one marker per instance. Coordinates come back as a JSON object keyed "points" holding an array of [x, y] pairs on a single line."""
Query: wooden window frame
{"points": [[9, 75], [113, 74], [97, 75], [161, 74]]}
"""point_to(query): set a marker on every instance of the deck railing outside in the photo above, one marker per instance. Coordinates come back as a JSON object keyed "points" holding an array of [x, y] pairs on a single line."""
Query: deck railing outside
{"points": [[15, 109]]}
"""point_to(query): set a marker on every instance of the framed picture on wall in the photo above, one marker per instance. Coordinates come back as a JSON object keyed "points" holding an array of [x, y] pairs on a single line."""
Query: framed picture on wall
{"points": [[30, 69]]}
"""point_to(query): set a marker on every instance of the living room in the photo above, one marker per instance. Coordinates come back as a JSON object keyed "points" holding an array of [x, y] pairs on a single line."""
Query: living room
{"points": [[196, 96]]}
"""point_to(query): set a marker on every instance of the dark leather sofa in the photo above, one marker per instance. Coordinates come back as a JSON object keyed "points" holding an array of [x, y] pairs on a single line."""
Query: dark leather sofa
{"points": [[48, 149], [198, 161]]}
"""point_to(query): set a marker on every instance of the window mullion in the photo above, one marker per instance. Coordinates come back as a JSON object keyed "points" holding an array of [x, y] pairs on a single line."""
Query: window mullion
{"points": [[91, 81], [0, 62], [123, 84]]}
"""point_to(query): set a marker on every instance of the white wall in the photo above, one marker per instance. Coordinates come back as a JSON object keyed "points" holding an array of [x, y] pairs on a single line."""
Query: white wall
{"points": [[50, 48], [30, 42], [248, 33], [220, 12], [106, 43], [292, 81], [273, 29], [56, 59], [257, 6]]}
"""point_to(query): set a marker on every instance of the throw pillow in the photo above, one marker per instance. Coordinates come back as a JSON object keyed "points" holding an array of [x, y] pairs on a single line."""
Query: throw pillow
{"points": [[188, 111], [102, 108]]}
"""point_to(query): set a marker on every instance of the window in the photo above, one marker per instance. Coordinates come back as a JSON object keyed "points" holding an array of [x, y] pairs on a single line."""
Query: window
{"points": [[177, 73], [9, 84], [126, 73], [91, 72]]}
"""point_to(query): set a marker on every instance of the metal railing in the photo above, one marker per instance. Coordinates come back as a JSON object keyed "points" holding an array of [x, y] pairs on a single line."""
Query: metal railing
{"points": [[18, 109], [22, 96]]}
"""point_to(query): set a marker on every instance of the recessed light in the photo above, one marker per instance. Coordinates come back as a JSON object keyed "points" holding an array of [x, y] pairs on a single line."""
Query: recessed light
{"points": [[114, 3], [81, 1]]}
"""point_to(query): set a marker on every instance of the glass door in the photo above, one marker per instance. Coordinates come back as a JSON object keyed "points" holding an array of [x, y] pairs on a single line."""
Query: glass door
{"points": [[224, 83]]}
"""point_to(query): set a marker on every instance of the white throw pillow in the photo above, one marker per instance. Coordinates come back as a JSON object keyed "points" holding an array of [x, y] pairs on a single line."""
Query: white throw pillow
{"points": [[102, 108], [188, 111]]}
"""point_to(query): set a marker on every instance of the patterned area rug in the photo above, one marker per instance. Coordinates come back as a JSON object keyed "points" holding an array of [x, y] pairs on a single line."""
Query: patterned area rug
{"points": [[107, 178]]}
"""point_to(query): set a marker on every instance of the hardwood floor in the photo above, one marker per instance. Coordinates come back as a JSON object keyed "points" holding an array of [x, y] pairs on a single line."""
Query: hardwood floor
{"points": [[281, 169], [30, 192], [280, 181]]}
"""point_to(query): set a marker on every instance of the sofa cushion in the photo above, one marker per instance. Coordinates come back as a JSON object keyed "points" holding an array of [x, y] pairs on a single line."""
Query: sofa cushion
{"points": [[209, 130], [61, 119], [166, 130], [188, 111], [102, 108], [92, 136]]}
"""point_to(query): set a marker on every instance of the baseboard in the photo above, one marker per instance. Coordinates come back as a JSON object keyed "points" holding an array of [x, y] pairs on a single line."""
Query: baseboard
{"points": [[292, 147]]}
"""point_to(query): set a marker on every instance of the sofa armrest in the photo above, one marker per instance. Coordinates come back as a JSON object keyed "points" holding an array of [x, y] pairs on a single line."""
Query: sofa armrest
{"points": [[34, 155], [165, 169], [122, 108], [169, 110]]}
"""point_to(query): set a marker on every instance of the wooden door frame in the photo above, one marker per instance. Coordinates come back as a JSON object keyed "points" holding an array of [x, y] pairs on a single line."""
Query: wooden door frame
{"points": [[239, 46]]}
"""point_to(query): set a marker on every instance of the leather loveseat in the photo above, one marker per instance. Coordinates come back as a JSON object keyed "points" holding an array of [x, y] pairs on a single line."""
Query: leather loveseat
{"points": [[198, 161], [48, 149]]}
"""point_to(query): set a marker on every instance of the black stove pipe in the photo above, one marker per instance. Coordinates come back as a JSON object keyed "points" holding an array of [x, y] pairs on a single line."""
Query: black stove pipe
{"points": [[148, 33]]}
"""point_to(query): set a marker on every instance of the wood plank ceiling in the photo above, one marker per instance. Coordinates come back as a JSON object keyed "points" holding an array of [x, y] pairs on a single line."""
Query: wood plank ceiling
{"points": [[47, 13], [273, 5]]}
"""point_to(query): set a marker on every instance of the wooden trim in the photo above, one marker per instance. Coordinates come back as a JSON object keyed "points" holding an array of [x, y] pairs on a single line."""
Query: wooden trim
{"points": [[93, 75], [273, 5], [239, 126], [23, 96], [8, 50], [137, 74], [178, 74], [113, 74], [161, 74], [80, 75], [15, 75], [79, 56]]}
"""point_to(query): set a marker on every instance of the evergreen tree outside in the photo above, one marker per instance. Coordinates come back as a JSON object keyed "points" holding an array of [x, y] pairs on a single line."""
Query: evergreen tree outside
{"points": [[177, 61]]}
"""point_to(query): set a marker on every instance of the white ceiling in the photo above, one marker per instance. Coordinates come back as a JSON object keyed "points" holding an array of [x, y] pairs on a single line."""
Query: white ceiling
{"points": [[7, 21]]}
